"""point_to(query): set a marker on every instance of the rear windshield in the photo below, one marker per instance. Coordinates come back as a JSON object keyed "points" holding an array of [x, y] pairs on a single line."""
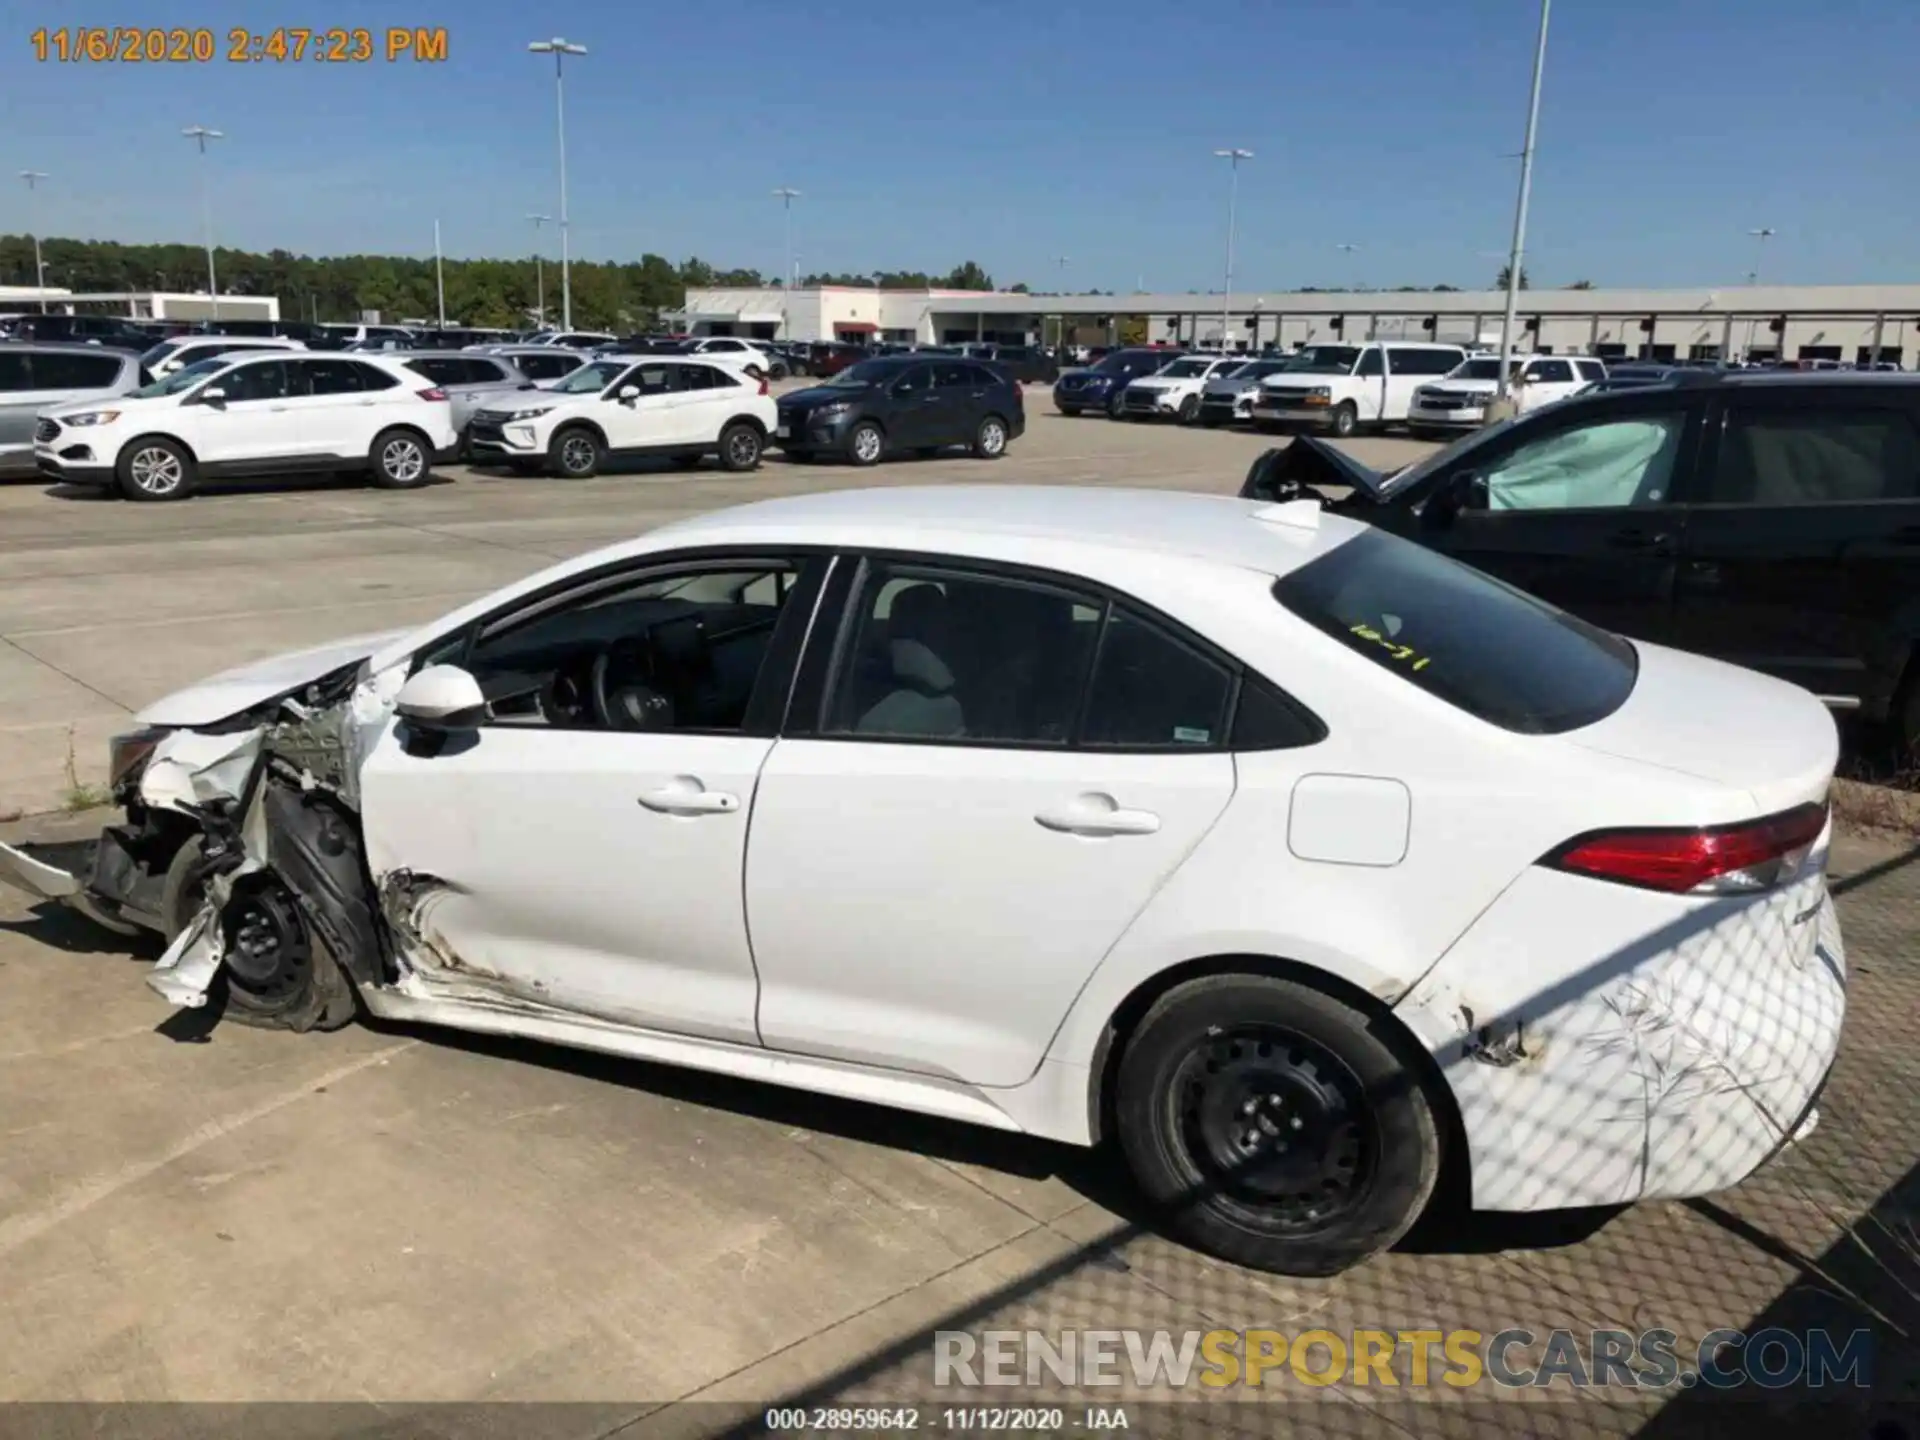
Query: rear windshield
{"points": [[1462, 636]]}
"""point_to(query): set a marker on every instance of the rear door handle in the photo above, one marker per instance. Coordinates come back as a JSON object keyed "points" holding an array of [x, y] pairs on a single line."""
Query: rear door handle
{"points": [[1098, 815], [685, 795]]}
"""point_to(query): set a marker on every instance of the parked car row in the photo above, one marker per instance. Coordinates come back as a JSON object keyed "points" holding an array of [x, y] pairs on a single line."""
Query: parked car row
{"points": [[1429, 388]]}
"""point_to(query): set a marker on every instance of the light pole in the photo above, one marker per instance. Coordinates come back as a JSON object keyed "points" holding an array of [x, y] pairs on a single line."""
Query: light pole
{"points": [[1760, 238], [1350, 250], [439, 277], [33, 179], [786, 195], [560, 49], [1518, 253], [200, 134], [1233, 159], [539, 272]]}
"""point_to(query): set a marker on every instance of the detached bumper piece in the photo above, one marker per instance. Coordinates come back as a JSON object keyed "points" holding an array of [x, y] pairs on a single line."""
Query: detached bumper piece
{"points": [[68, 872]]}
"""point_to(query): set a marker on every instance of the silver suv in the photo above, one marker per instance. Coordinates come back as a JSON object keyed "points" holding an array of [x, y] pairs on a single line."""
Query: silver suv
{"points": [[469, 380], [33, 377]]}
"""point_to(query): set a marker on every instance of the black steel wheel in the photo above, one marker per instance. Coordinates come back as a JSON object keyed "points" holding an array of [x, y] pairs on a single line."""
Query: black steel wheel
{"points": [[1275, 1126]]}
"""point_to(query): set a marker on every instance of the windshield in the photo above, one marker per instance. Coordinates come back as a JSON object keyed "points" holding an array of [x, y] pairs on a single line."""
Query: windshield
{"points": [[588, 378], [1462, 636], [1186, 369], [1485, 369], [860, 376], [1254, 369], [185, 378], [1323, 360], [160, 352]]}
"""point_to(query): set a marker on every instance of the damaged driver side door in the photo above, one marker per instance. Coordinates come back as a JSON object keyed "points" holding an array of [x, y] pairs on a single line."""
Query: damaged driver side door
{"points": [[581, 848]]}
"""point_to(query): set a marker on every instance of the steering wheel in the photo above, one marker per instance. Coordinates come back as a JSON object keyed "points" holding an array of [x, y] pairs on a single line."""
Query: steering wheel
{"points": [[620, 706], [566, 696]]}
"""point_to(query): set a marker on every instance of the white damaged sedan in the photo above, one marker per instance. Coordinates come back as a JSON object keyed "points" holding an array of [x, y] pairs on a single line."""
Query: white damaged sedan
{"points": [[1302, 862]]}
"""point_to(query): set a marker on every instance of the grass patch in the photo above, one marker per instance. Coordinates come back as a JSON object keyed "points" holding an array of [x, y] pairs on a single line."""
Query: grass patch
{"points": [[78, 796]]}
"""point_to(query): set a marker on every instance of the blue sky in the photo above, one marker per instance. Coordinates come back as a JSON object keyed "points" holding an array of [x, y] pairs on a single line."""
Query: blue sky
{"points": [[926, 133]]}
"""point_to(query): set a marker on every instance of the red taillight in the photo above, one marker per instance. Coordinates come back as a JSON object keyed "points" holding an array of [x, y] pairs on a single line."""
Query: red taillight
{"points": [[436, 393], [1719, 860], [763, 386]]}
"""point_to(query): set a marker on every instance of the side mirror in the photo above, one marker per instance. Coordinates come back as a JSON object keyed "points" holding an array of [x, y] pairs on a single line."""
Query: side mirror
{"points": [[441, 697], [215, 396], [628, 394]]}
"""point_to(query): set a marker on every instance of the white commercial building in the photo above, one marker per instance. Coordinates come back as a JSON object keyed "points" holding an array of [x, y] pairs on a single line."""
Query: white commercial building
{"points": [[1849, 323], [139, 304]]}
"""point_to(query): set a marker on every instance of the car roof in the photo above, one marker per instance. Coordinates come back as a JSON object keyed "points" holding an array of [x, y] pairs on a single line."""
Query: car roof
{"points": [[67, 347], [1225, 530]]}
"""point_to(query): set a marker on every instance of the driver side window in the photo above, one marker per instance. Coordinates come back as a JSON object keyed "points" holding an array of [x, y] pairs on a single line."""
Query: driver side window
{"points": [[1370, 362], [1620, 461], [681, 650]]}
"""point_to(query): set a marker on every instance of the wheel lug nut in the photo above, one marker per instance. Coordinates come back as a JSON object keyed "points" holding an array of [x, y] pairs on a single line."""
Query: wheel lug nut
{"points": [[1248, 1108], [1297, 1122]]}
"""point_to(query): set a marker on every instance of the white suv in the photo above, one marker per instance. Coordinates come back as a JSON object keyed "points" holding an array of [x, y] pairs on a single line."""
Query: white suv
{"points": [[1459, 402], [1175, 391], [681, 406], [253, 414]]}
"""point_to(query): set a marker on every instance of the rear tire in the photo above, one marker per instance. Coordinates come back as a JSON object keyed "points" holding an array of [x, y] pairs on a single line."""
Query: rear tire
{"points": [[740, 447], [990, 440], [1274, 1126], [576, 453], [401, 460], [153, 468]]}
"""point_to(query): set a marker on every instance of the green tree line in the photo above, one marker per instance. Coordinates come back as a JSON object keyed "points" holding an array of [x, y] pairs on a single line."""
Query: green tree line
{"points": [[622, 296]]}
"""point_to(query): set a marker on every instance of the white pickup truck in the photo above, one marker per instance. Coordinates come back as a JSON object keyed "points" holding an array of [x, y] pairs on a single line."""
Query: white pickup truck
{"points": [[1344, 388]]}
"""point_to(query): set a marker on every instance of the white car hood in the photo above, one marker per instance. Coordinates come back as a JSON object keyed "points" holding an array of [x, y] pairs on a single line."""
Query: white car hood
{"points": [[231, 691], [1464, 387]]}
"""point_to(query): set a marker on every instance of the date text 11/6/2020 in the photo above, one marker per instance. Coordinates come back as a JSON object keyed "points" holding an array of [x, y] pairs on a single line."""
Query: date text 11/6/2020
{"points": [[157, 45]]}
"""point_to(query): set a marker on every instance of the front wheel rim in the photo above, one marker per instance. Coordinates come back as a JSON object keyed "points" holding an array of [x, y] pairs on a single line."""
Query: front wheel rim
{"points": [[866, 445], [742, 449], [576, 454], [402, 460], [156, 471], [1279, 1127]]}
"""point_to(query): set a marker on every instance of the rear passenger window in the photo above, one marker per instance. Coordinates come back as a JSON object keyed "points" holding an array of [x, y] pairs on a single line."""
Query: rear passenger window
{"points": [[1815, 457], [955, 377], [1153, 692], [74, 372], [371, 376], [329, 377], [981, 376], [13, 373]]}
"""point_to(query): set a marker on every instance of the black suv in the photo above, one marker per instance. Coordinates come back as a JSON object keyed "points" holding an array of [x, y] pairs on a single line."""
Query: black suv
{"points": [[903, 402], [1769, 519]]}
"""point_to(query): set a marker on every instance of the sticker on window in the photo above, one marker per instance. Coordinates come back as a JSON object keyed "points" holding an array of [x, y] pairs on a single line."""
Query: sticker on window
{"points": [[1188, 735], [1387, 643]]}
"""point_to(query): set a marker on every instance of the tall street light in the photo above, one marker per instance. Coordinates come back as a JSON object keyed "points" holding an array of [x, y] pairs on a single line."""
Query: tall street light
{"points": [[1349, 250], [33, 179], [1518, 254], [200, 134], [539, 272], [786, 195], [1233, 159], [560, 49], [1760, 238]]}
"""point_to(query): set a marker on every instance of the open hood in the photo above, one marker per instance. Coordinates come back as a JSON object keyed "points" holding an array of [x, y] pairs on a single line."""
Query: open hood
{"points": [[1308, 462]]}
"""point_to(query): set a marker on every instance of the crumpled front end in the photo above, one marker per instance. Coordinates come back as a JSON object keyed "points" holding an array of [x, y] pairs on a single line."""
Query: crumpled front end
{"points": [[1607, 1044]]}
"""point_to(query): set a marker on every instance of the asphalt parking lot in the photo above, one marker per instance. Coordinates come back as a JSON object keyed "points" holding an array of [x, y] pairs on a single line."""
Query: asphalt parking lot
{"points": [[395, 1217]]}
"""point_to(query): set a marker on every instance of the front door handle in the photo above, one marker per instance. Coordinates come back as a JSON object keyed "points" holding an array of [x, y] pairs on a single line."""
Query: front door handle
{"points": [[1098, 815], [685, 795], [1658, 542]]}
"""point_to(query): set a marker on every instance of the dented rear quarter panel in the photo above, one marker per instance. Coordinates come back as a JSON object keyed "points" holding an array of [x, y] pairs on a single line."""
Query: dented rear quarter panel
{"points": [[1606, 1043]]}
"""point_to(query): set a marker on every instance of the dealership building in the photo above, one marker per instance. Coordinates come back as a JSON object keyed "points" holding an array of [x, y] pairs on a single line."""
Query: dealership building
{"points": [[1848, 323]]}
